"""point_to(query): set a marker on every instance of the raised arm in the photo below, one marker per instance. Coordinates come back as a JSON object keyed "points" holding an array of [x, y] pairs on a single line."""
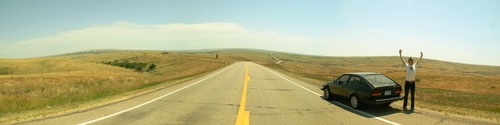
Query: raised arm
{"points": [[421, 55], [401, 57]]}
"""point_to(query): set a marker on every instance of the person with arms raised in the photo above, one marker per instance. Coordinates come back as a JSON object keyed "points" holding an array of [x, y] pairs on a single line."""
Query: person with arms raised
{"points": [[411, 73]]}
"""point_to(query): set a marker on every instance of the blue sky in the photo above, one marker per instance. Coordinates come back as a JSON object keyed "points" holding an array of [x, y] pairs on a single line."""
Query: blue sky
{"points": [[451, 30]]}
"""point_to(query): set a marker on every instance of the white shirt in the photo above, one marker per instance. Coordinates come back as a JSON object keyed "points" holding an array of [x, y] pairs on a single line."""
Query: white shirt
{"points": [[411, 72]]}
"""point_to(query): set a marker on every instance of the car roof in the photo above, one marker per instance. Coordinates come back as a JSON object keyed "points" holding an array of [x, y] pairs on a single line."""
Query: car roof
{"points": [[363, 73]]}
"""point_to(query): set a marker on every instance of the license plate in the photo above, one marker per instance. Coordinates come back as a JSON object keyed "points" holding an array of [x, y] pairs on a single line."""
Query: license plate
{"points": [[387, 93]]}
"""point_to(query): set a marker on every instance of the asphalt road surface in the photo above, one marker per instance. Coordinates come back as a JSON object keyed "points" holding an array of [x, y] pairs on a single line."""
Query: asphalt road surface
{"points": [[271, 98]]}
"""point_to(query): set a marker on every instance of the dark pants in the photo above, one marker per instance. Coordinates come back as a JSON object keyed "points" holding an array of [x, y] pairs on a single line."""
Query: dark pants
{"points": [[409, 86]]}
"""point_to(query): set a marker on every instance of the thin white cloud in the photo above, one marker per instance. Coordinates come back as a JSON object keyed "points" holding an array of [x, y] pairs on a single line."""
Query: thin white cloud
{"points": [[124, 35]]}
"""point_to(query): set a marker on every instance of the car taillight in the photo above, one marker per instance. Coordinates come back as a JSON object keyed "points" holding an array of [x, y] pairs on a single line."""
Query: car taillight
{"points": [[399, 90], [376, 92]]}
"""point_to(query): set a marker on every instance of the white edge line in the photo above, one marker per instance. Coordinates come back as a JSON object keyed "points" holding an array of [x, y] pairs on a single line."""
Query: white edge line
{"points": [[345, 106], [145, 103]]}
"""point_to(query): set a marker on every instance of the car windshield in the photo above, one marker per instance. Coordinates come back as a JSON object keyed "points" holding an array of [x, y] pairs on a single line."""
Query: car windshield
{"points": [[379, 80]]}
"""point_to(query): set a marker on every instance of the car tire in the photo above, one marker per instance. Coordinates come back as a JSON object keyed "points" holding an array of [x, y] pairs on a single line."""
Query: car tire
{"points": [[354, 102], [327, 95]]}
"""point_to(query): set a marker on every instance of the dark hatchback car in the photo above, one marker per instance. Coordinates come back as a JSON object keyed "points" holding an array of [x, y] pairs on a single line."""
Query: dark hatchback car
{"points": [[363, 88]]}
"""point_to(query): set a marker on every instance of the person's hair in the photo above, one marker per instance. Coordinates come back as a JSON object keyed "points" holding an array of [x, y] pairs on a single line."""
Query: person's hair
{"points": [[410, 59]]}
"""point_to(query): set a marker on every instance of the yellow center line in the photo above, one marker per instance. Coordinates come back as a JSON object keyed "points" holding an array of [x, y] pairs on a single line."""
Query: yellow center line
{"points": [[243, 117]]}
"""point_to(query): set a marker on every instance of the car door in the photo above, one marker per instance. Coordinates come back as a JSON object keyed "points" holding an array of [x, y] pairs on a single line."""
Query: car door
{"points": [[349, 86], [340, 87]]}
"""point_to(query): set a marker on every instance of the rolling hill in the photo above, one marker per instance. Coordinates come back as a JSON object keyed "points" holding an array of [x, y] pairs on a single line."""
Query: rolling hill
{"points": [[47, 85]]}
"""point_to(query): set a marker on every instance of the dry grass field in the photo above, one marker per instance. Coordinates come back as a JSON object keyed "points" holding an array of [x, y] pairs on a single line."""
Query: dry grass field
{"points": [[49, 83], [43, 85]]}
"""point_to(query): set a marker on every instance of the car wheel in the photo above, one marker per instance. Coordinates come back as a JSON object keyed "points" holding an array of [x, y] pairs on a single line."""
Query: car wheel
{"points": [[354, 102], [326, 94], [387, 104]]}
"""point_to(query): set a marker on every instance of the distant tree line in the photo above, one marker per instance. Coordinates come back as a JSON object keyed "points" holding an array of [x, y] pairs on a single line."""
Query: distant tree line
{"points": [[132, 65]]}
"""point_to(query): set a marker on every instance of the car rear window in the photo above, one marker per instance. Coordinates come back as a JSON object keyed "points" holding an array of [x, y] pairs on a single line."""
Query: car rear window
{"points": [[379, 80]]}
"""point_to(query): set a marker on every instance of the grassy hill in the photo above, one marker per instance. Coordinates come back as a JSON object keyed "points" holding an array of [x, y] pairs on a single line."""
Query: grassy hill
{"points": [[46, 85], [37, 86]]}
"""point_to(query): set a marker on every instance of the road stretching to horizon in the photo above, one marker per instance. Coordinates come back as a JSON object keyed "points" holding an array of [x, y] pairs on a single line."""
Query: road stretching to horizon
{"points": [[251, 93]]}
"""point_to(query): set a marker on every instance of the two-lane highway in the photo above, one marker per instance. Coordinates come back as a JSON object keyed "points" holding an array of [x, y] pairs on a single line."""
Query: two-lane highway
{"points": [[271, 98]]}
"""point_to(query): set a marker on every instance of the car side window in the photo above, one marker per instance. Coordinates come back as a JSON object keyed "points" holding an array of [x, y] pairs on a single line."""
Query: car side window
{"points": [[362, 84], [343, 79], [358, 83], [352, 81], [355, 81]]}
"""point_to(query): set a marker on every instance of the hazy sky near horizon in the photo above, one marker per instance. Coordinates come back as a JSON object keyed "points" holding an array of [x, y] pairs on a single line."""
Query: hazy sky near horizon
{"points": [[462, 31]]}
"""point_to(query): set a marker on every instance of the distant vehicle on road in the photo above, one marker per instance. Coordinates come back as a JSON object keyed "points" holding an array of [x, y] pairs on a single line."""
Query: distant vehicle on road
{"points": [[363, 88]]}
